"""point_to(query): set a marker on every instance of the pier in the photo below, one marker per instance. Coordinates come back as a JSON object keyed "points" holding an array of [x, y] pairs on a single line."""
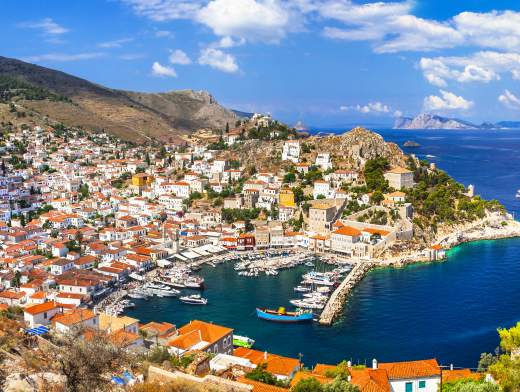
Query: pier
{"points": [[335, 303]]}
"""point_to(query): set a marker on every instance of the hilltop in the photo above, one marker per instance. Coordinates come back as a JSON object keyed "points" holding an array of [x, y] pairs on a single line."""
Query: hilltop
{"points": [[432, 121], [130, 115]]}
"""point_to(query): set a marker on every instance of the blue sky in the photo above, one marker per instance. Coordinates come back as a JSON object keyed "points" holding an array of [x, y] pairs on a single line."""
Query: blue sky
{"points": [[324, 62]]}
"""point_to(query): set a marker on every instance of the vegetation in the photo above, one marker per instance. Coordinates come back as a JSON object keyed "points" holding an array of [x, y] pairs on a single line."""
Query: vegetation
{"points": [[262, 375], [374, 174], [438, 198], [231, 215], [13, 87], [469, 385], [339, 384]]}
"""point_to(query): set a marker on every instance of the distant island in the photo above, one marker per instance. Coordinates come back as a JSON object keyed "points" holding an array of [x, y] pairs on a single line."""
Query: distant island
{"points": [[432, 121]]}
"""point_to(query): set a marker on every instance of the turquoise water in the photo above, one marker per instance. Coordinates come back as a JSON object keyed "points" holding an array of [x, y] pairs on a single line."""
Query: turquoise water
{"points": [[445, 310]]}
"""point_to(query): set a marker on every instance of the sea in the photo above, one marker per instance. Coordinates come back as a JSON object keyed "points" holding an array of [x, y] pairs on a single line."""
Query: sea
{"points": [[449, 311]]}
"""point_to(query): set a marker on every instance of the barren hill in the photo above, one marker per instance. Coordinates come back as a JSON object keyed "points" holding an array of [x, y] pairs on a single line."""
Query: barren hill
{"points": [[130, 115]]}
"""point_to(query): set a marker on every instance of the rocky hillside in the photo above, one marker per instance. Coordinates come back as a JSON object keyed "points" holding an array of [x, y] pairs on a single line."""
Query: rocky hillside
{"points": [[431, 121], [130, 115], [350, 150]]}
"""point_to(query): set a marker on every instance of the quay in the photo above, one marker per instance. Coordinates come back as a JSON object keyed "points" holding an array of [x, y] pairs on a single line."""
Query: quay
{"points": [[335, 303]]}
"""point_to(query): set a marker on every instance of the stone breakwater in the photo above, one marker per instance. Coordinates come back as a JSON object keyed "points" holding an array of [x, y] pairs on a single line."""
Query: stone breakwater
{"points": [[336, 301]]}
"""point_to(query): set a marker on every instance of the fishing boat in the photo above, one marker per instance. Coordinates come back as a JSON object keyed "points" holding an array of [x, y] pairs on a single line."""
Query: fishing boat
{"points": [[242, 341], [194, 299], [282, 316]]}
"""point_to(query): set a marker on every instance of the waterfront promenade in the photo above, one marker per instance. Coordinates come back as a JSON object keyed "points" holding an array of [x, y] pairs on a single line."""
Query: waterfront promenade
{"points": [[336, 301]]}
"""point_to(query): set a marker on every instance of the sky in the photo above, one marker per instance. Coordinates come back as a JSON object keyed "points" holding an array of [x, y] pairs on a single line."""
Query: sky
{"points": [[323, 62]]}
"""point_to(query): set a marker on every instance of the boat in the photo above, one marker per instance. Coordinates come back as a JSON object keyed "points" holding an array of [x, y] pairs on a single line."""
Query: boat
{"points": [[242, 341], [302, 289], [194, 282], [518, 194], [282, 316], [309, 264], [137, 295], [312, 304], [194, 299]]}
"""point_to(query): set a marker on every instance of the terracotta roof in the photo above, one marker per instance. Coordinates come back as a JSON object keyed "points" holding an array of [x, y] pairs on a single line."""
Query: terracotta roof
{"points": [[382, 233], [412, 369], [348, 230], [370, 380], [197, 331], [75, 317], [459, 374], [260, 386], [40, 308], [276, 364]]}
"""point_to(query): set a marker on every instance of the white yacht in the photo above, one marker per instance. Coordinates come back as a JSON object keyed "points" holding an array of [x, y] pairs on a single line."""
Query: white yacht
{"points": [[194, 299]]}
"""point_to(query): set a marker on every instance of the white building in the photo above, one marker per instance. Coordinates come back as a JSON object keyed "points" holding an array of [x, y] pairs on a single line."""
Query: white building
{"points": [[291, 151], [323, 161]]}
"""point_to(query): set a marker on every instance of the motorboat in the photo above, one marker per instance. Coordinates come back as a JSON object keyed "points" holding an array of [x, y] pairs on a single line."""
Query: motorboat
{"points": [[302, 289], [194, 299]]}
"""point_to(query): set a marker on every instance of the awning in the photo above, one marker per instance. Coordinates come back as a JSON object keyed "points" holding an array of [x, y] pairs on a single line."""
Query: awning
{"points": [[41, 330]]}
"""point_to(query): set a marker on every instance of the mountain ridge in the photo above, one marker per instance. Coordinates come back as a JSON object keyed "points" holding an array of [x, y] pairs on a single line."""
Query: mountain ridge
{"points": [[433, 121], [136, 116]]}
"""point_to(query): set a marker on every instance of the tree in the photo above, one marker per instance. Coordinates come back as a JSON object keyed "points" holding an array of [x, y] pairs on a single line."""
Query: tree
{"points": [[289, 178], [374, 174], [469, 385], [309, 384], [340, 385], [86, 361], [377, 197], [262, 375]]}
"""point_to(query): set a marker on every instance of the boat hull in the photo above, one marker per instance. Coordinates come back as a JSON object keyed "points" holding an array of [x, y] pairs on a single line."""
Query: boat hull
{"points": [[283, 318]]}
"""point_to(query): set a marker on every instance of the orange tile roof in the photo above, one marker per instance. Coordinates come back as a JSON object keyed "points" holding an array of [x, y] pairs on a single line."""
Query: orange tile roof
{"points": [[370, 380], [460, 374], [198, 331], [412, 369], [276, 364], [348, 230], [399, 170], [260, 386], [75, 317], [40, 308], [382, 233]]}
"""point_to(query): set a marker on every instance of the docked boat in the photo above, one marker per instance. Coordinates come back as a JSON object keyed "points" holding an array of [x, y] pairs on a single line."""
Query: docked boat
{"points": [[194, 299], [309, 264], [302, 289], [311, 304], [194, 282], [137, 295], [282, 316], [242, 341]]}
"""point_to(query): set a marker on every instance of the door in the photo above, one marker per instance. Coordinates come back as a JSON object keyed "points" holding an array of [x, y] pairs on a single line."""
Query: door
{"points": [[409, 387]]}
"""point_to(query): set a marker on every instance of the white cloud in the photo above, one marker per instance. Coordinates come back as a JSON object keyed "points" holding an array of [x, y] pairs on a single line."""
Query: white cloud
{"points": [[229, 42], [398, 113], [63, 57], [253, 20], [179, 57], [447, 101], [115, 43], [163, 10], [484, 66], [218, 59], [370, 108], [509, 100], [163, 70], [46, 25], [498, 30]]}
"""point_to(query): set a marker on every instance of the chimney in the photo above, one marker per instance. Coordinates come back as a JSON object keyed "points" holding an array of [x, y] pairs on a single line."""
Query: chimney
{"points": [[349, 378], [349, 364], [374, 363], [451, 366], [265, 355]]}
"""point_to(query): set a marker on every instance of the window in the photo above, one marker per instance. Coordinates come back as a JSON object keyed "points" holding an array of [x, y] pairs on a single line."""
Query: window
{"points": [[422, 384], [408, 387]]}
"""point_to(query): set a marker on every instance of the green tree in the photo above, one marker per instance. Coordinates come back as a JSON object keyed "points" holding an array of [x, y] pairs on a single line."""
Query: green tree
{"points": [[377, 197], [309, 384], [374, 174], [340, 385], [469, 385], [262, 375]]}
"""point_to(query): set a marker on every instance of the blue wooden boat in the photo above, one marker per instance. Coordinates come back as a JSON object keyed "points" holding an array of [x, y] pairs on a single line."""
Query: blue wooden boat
{"points": [[282, 316]]}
